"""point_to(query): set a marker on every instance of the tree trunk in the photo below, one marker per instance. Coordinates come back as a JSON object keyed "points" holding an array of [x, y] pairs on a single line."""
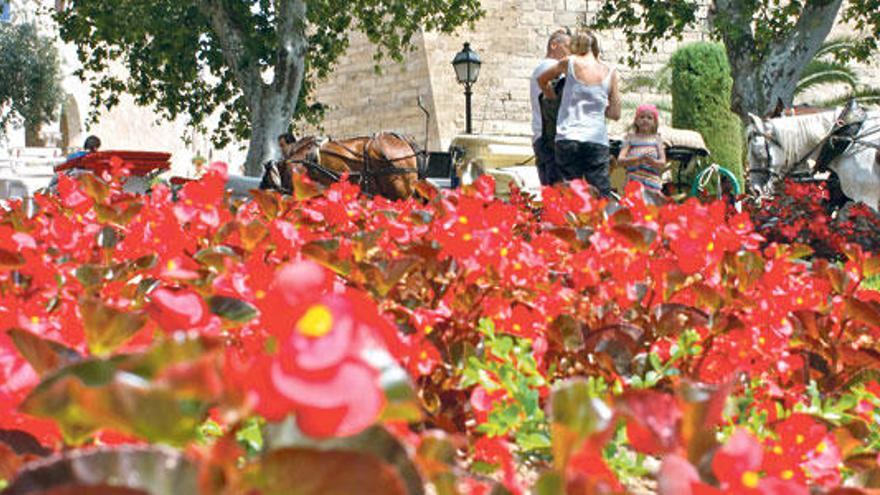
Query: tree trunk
{"points": [[267, 123], [271, 107], [760, 81]]}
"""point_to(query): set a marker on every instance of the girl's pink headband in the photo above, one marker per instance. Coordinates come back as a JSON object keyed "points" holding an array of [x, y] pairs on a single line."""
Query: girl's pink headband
{"points": [[647, 107]]}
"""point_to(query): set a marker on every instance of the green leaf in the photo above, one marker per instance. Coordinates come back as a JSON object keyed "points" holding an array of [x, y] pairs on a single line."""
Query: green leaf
{"points": [[91, 395], [107, 328], [232, 309], [550, 483], [251, 435], [214, 257], [106, 470]]}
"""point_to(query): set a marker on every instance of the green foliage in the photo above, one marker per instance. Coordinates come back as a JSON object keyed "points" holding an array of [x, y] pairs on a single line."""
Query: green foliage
{"points": [[701, 90], [830, 67], [180, 61], [507, 365], [30, 76]]}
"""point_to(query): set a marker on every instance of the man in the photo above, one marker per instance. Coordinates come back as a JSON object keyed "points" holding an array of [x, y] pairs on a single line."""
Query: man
{"points": [[286, 142], [557, 49]]}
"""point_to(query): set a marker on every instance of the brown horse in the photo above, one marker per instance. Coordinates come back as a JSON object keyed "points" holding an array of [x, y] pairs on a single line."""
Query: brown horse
{"points": [[386, 163]]}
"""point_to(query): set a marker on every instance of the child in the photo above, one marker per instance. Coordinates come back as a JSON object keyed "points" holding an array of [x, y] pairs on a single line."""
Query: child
{"points": [[642, 153]]}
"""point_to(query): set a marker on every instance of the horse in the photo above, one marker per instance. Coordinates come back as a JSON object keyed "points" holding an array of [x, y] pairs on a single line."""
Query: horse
{"points": [[781, 147], [385, 163]]}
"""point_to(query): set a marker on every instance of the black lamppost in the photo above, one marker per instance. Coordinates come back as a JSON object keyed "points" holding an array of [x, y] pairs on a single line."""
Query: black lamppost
{"points": [[467, 69]]}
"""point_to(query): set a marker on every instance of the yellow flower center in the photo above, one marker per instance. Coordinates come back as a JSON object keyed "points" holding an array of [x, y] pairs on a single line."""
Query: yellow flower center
{"points": [[799, 439], [710, 247], [787, 474], [317, 322], [462, 219], [750, 479], [821, 447], [467, 237]]}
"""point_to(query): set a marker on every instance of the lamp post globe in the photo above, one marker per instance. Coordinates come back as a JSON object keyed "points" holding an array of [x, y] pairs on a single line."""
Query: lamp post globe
{"points": [[467, 69]]}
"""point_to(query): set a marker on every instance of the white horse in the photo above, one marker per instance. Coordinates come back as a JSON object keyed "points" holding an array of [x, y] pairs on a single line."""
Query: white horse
{"points": [[780, 146]]}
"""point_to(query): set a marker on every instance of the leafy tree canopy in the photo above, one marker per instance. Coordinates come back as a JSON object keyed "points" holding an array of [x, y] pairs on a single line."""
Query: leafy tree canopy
{"points": [[253, 60], [768, 42], [30, 76]]}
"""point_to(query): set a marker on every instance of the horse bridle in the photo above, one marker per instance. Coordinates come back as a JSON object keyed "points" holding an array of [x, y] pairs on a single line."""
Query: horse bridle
{"points": [[367, 173]]}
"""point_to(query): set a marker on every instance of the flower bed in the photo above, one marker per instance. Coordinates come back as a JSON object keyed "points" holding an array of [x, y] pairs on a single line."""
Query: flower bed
{"points": [[335, 344]]}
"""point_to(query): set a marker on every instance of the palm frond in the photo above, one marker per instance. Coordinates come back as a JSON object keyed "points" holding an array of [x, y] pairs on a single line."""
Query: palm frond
{"points": [[818, 66], [865, 96], [829, 76], [640, 81], [837, 46]]}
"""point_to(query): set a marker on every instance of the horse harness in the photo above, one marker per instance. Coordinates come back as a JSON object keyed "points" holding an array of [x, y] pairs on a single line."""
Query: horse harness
{"points": [[838, 140], [368, 174]]}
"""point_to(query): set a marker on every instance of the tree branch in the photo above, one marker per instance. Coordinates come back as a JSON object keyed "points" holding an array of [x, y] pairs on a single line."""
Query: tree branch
{"points": [[291, 52], [789, 55], [231, 39], [732, 20]]}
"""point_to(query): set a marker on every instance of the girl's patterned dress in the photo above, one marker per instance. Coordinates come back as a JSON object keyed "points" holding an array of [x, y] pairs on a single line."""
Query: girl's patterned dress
{"points": [[641, 145]]}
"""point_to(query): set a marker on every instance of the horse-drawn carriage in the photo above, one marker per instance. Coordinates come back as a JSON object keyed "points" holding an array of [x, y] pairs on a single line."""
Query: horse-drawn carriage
{"points": [[510, 160], [841, 146]]}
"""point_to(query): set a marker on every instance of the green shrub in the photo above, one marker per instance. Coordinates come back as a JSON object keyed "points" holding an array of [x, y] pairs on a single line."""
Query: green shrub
{"points": [[701, 90]]}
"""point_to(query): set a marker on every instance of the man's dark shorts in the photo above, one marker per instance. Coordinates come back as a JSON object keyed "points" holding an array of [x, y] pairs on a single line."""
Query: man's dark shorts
{"points": [[545, 160], [588, 161]]}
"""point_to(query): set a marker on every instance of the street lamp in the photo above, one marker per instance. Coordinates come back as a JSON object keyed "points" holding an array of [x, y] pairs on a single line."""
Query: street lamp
{"points": [[467, 69]]}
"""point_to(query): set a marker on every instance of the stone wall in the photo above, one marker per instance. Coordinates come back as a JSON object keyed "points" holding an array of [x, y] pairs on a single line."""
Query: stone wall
{"points": [[510, 39]]}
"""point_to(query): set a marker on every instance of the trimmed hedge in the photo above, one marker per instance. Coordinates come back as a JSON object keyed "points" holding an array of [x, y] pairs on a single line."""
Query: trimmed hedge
{"points": [[701, 91]]}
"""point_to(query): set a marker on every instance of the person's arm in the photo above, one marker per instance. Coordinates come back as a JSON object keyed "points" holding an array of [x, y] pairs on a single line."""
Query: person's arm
{"points": [[660, 162], [613, 110], [549, 75], [623, 159]]}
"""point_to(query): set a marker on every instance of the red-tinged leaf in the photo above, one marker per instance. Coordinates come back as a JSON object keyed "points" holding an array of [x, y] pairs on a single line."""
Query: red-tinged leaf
{"points": [[383, 276], [119, 470], [653, 421], [673, 318], [702, 406], [42, 354], [10, 462], [324, 253], [707, 296], [23, 443], [676, 476], [106, 327], [576, 415], [427, 191], [620, 342], [871, 266], [94, 187], [867, 312], [567, 332], [129, 213], [9, 259], [640, 237], [269, 201], [304, 188], [252, 234], [314, 472], [799, 251]]}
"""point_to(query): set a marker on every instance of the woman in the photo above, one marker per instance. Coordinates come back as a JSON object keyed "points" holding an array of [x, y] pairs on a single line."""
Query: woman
{"points": [[590, 95]]}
